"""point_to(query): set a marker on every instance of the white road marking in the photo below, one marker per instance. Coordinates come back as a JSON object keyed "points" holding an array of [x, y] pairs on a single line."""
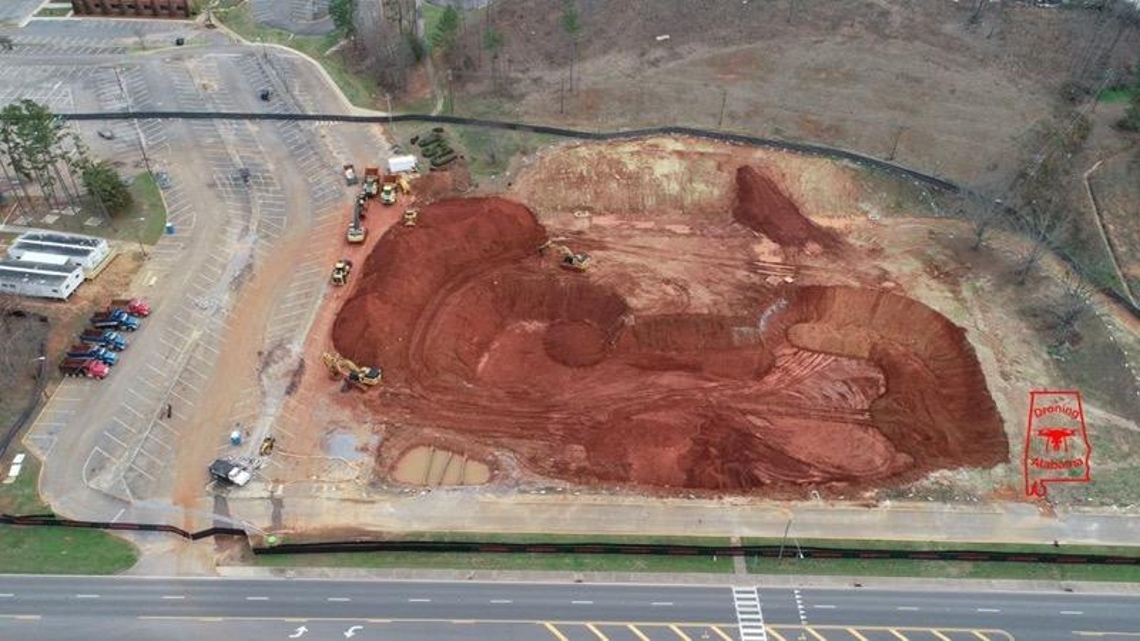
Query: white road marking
{"points": [[909, 608], [419, 600], [7, 595], [661, 603], [87, 596], [1071, 612], [582, 602], [825, 607], [257, 598], [338, 598], [173, 596], [988, 610], [501, 601]]}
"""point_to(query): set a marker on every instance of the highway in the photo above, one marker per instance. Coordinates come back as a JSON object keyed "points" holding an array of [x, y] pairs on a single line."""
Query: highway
{"points": [[40, 607]]}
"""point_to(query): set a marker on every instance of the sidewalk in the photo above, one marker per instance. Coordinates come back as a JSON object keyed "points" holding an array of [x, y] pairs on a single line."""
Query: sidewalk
{"points": [[648, 578], [304, 510]]}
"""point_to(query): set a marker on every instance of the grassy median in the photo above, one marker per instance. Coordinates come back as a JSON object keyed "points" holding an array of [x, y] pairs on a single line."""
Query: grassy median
{"points": [[947, 569], [52, 550], [508, 561]]}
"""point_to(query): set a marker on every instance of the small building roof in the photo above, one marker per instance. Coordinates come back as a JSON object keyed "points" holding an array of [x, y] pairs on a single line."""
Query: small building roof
{"points": [[41, 257], [72, 240], [59, 249], [24, 271]]}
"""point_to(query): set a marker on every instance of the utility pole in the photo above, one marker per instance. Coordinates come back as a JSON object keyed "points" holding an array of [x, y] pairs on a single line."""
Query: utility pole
{"points": [[784, 540], [723, 101]]}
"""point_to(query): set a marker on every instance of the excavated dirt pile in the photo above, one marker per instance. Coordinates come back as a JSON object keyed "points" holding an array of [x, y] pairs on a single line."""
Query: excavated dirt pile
{"points": [[485, 339], [761, 206]]}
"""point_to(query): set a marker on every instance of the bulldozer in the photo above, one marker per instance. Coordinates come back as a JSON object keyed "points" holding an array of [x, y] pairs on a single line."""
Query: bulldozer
{"points": [[352, 374], [410, 217], [356, 231], [341, 270], [569, 260]]}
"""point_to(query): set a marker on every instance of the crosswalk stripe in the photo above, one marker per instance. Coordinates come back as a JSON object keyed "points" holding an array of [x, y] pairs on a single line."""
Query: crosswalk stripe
{"points": [[749, 616]]}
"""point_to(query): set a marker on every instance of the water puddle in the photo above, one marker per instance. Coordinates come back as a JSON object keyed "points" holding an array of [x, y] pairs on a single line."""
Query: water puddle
{"points": [[430, 466]]}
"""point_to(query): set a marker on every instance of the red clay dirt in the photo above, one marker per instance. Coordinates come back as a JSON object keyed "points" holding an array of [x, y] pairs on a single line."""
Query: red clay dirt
{"points": [[761, 206], [487, 341]]}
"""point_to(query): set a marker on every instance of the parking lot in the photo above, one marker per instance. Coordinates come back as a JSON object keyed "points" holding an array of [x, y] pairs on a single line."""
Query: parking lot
{"points": [[235, 192]]}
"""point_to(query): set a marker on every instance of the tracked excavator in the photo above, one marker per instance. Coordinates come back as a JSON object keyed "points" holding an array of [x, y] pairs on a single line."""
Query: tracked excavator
{"points": [[569, 260], [352, 374]]}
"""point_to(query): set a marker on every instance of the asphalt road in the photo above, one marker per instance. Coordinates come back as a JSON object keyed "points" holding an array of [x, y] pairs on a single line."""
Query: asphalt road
{"points": [[35, 607]]}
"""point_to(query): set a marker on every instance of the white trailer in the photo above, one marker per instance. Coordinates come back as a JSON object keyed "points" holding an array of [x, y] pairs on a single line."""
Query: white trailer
{"points": [[401, 164]]}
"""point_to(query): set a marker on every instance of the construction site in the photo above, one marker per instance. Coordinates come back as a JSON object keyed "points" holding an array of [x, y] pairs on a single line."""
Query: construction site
{"points": [[659, 317]]}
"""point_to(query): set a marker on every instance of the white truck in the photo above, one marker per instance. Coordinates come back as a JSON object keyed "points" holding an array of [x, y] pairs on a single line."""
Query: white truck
{"points": [[229, 472]]}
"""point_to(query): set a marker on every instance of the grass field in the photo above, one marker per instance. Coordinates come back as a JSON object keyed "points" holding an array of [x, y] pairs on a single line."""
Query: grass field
{"points": [[1116, 95], [52, 550], [789, 565], [148, 206], [557, 562], [947, 569], [359, 91]]}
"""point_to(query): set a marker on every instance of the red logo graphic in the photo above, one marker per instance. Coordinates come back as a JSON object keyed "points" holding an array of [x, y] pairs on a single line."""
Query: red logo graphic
{"points": [[1057, 448]]}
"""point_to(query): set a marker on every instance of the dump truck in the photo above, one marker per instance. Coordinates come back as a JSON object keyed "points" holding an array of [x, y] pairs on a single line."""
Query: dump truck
{"points": [[356, 231], [350, 175], [229, 472], [87, 367], [352, 374], [133, 306], [98, 352], [341, 270], [106, 338], [116, 319], [371, 181]]}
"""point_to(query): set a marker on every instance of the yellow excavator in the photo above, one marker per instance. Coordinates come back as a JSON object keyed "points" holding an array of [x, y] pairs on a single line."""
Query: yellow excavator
{"points": [[352, 374], [570, 260]]}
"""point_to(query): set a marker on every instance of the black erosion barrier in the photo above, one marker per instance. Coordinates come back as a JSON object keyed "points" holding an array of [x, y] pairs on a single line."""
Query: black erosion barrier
{"points": [[48, 520], [815, 150], [485, 547], [759, 551]]}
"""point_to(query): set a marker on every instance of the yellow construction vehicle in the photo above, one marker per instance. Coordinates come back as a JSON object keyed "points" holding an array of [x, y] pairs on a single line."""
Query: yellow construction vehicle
{"points": [[410, 217], [352, 374], [267, 446], [341, 270], [569, 260]]}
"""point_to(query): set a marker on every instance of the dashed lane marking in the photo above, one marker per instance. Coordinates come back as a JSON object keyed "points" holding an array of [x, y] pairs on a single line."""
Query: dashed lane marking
{"points": [[338, 599], [173, 597]]}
